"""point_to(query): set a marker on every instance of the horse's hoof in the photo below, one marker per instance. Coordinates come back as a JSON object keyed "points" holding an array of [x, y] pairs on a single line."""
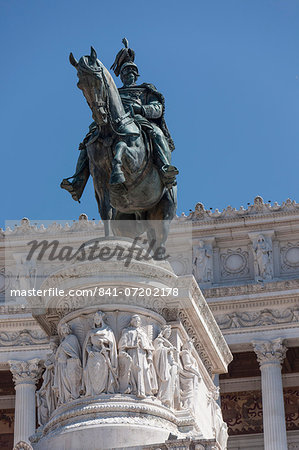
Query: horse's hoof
{"points": [[117, 178]]}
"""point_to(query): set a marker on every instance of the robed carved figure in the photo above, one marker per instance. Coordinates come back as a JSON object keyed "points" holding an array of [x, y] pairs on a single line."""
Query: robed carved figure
{"points": [[100, 359], [68, 368], [166, 369], [137, 373], [189, 376], [127, 150], [46, 396]]}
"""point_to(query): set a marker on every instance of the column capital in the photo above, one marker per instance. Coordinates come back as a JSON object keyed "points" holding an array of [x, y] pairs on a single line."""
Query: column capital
{"points": [[25, 372], [270, 351]]}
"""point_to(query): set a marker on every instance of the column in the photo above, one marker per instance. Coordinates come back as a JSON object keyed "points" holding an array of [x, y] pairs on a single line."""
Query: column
{"points": [[25, 375], [270, 355]]}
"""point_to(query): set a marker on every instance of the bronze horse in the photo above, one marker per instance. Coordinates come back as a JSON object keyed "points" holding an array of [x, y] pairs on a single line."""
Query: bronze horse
{"points": [[126, 181]]}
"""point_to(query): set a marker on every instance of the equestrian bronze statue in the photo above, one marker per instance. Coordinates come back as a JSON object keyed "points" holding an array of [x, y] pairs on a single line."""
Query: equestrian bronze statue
{"points": [[127, 150]]}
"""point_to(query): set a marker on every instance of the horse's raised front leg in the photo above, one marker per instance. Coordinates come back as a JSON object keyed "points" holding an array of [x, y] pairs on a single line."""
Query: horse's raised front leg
{"points": [[117, 175]]}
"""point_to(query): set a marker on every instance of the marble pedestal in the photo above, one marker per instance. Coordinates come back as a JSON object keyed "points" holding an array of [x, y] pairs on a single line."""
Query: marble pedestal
{"points": [[122, 419]]}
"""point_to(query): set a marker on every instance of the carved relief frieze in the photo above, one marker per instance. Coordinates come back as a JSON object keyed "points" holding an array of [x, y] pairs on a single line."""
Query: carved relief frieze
{"points": [[117, 352], [22, 338], [234, 264], [258, 318]]}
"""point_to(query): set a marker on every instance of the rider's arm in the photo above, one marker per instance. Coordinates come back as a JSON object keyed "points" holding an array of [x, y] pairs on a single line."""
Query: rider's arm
{"points": [[152, 110]]}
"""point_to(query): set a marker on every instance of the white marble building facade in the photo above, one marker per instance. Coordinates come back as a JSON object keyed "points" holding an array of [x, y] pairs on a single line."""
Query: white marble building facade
{"points": [[246, 262], [254, 295]]}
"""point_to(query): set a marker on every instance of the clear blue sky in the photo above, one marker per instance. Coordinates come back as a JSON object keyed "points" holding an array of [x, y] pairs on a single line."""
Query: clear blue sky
{"points": [[229, 71]]}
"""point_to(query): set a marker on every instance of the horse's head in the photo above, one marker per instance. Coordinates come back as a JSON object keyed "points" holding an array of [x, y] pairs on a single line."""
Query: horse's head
{"points": [[93, 83]]}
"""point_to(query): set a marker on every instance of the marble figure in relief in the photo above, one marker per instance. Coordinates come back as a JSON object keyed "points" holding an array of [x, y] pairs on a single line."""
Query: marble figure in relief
{"points": [[202, 262], [46, 396], [166, 369], [137, 375], [68, 367], [263, 258], [189, 376], [99, 359]]}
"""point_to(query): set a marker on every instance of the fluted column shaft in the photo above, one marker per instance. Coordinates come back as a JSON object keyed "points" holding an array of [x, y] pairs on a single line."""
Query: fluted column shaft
{"points": [[25, 376], [270, 355]]}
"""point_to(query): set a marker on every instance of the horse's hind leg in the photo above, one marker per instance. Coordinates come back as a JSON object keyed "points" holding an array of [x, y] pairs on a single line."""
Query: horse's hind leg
{"points": [[117, 175]]}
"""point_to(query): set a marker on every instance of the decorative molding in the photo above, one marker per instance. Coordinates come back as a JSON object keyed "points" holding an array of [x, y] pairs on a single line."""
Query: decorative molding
{"points": [[14, 309], [234, 263], [289, 255], [25, 372], [105, 409], [68, 304], [211, 322], [270, 351], [21, 445], [253, 288], [184, 444], [197, 344]]}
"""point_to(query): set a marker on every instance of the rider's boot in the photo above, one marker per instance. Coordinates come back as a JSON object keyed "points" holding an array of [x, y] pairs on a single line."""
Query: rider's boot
{"points": [[167, 172]]}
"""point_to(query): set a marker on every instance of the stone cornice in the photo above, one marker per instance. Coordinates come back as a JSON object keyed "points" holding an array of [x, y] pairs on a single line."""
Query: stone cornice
{"points": [[9, 309], [25, 320], [259, 210], [253, 304]]}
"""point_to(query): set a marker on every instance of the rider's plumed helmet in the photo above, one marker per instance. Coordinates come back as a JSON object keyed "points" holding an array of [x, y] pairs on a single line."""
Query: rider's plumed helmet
{"points": [[124, 58]]}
